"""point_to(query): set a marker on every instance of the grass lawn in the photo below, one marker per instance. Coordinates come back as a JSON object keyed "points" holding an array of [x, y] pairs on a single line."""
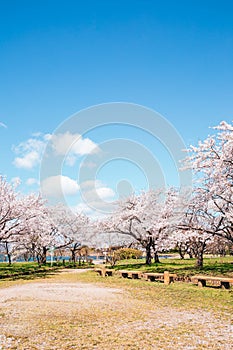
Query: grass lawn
{"points": [[186, 267], [31, 270], [183, 268]]}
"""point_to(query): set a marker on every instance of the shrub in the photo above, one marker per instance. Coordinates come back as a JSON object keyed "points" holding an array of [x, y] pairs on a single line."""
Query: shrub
{"points": [[128, 253]]}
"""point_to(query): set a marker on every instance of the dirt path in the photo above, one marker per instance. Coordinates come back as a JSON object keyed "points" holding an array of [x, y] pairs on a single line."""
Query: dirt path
{"points": [[72, 315]]}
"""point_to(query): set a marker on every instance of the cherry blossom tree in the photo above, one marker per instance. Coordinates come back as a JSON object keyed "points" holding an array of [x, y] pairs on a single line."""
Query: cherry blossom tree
{"points": [[28, 225], [210, 212], [192, 232], [10, 211], [212, 163], [39, 236], [219, 246], [195, 244], [73, 229], [148, 219], [17, 215], [56, 228]]}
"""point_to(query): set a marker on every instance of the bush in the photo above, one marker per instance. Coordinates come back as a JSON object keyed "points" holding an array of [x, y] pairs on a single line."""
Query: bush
{"points": [[127, 253]]}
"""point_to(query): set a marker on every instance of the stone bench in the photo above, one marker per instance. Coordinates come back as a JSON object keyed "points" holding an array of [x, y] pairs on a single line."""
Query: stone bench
{"points": [[153, 276], [200, 280], [130, 274], [166, 277], [104, 272]]}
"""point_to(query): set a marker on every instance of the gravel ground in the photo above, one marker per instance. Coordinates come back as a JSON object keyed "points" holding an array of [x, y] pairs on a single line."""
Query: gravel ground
{"points": [[53, 314]]}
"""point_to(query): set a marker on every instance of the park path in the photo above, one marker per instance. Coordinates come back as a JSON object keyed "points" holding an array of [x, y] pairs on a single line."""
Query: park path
{"points": [[67, 314], [48, 290]]}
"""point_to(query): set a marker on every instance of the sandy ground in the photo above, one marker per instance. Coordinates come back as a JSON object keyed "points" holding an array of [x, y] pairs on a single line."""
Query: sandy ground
{"points": [[50, 314]]}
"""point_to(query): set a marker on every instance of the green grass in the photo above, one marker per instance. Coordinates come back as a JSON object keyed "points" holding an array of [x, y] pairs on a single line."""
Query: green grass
{"points": [[183, 268], [31, 270]]}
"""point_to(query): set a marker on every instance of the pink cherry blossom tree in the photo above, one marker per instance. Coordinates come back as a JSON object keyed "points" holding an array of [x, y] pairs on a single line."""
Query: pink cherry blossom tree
{"points": [[210, 212], [55, 228], [72, 227], [148, 219], [28, 225], [17, 215], [212, 163]]}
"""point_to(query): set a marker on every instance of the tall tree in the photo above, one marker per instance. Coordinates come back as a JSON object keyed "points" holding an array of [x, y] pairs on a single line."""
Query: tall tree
{"points": [[17, 214], [212, 162], [147, 218]]}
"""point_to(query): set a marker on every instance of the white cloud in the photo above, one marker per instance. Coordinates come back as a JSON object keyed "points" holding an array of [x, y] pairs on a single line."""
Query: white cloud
{"points": [[72, 145], [105, 192], [84, 146], [96, 194], [98, 199], [30, 151], [32, 181], [57, 186], [28, 161], [91, 188], [90, 184]]}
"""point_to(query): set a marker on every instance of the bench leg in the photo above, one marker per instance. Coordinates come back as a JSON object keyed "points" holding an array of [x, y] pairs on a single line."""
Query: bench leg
{"points": [[225, 285], [124, 275], [201, 283], [108, 273], [103, 273], [151, 278], [166, 278], [171, 279]]}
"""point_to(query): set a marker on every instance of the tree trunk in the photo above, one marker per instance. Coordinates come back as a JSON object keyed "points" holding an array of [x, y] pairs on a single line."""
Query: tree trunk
{"points": [[38, 260], [199, 252], [8, 254], [73, 256], [44, 254], [26, 256], [9, 258], [34, 257], [199, 261], [148, 254], [156, 257], [190, 255], [181, 253]]}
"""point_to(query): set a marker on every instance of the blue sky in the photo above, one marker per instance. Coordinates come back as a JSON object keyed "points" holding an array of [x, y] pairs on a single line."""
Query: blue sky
{"points": [[59, 57]]}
